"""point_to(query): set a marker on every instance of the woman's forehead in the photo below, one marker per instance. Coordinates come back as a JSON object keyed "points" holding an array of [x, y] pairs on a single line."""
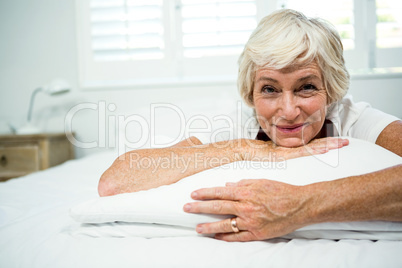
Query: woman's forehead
{"points": [[311, 69]]}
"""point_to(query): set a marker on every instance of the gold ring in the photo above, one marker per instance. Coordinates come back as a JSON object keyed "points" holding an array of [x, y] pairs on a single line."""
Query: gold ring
{"points": [[233, 224]]}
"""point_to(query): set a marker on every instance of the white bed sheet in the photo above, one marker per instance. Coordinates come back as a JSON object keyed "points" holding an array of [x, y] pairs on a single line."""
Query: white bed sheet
{"points": [[36, 231]]}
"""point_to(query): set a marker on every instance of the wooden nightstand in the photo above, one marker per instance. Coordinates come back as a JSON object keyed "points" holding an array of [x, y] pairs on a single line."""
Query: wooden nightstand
{"points": [[23, 154]]}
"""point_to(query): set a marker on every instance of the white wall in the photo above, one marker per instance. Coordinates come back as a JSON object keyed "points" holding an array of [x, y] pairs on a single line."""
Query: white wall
{"points": [[38, 43]]}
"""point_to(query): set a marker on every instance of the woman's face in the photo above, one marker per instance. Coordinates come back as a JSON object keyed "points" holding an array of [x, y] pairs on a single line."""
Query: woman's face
{"points": [[290, 104]]}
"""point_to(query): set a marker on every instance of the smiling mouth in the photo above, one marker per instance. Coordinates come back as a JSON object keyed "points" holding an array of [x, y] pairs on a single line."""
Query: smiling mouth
{"points": [[288, 129]]}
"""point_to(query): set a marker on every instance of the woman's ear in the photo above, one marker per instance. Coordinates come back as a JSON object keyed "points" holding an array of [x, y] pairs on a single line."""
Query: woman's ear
{"points": [[251, 100]]}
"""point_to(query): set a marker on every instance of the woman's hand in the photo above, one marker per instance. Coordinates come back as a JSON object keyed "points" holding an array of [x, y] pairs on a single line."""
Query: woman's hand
{"points": [[255, 150], [263, 209]]}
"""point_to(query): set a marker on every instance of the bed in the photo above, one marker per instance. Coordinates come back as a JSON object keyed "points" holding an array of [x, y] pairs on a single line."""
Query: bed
{"points": [[54, 218]]}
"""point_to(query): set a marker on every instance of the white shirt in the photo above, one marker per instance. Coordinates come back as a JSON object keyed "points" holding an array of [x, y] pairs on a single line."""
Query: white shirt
{"points": [[358, 120]]}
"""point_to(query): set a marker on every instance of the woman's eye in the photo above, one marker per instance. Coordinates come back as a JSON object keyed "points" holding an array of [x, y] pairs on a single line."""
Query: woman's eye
{"points": [[268, 89], [308, 87]]}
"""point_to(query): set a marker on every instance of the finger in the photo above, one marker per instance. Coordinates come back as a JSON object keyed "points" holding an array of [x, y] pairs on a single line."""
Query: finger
{"points": [[323, 145], [314, 149], [223, 226], [245, 182], [220, 193], [345, 142], [305, 150], [212, 207], [242, 236], [335, 143]]}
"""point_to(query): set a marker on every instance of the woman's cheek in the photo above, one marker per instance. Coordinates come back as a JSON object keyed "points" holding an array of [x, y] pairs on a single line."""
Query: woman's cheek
{"points": [[265, 108], [316, 116], [315, 109]]}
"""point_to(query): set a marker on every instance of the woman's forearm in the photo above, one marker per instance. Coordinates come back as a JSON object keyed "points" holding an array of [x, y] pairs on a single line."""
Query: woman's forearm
{"points": [[149, 168], [373, 196]]}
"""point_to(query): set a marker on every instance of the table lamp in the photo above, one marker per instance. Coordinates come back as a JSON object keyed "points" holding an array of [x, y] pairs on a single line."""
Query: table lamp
{"points": [[55, 87]]}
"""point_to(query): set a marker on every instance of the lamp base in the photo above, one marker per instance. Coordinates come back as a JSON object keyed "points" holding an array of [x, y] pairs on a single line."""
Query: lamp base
{"points": [[28, 129]]}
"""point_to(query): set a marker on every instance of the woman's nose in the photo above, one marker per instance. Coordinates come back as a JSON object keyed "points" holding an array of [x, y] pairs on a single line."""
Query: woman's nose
{"points": [[288, 107]]}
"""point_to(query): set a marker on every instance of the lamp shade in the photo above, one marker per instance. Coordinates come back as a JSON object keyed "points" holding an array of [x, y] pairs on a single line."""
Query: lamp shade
{"points": [[55, 87]]}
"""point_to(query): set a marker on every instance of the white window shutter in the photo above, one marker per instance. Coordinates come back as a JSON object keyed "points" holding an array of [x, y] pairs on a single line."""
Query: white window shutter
{"points": [[127, 30], [339, 13], [389, 23], [215, 28]]}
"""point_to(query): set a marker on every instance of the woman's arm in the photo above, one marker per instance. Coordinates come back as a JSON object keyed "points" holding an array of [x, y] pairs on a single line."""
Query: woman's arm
{"points": [[149, 168], [189, 142], [266, 209], [373, 196], [391, 138]]}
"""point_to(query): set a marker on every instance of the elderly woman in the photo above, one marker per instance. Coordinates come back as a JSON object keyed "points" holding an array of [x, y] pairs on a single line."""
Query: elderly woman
{"points": [[292, 74]]}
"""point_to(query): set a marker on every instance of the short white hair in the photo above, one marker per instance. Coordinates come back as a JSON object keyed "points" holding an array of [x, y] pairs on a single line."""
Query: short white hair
{"points": [[287, 38]]}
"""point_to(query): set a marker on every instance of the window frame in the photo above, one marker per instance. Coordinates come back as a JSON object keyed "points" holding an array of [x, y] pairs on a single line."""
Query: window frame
{"points": [[366, 54], [174, 70], [90, 71]]}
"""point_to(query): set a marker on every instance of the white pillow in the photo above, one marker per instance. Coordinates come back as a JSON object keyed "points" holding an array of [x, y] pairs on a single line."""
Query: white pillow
{"points": [[164, 205]]}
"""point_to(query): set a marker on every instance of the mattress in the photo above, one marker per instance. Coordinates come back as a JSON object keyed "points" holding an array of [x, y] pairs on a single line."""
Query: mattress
{"points": [[37, 230]]}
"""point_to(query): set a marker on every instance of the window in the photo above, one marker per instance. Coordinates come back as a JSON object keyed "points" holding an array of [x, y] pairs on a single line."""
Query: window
{"points": [[160, 42], [388, 44], [339, 13], [213, 28], [389, 23], [126, 30], [371, 31]]}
